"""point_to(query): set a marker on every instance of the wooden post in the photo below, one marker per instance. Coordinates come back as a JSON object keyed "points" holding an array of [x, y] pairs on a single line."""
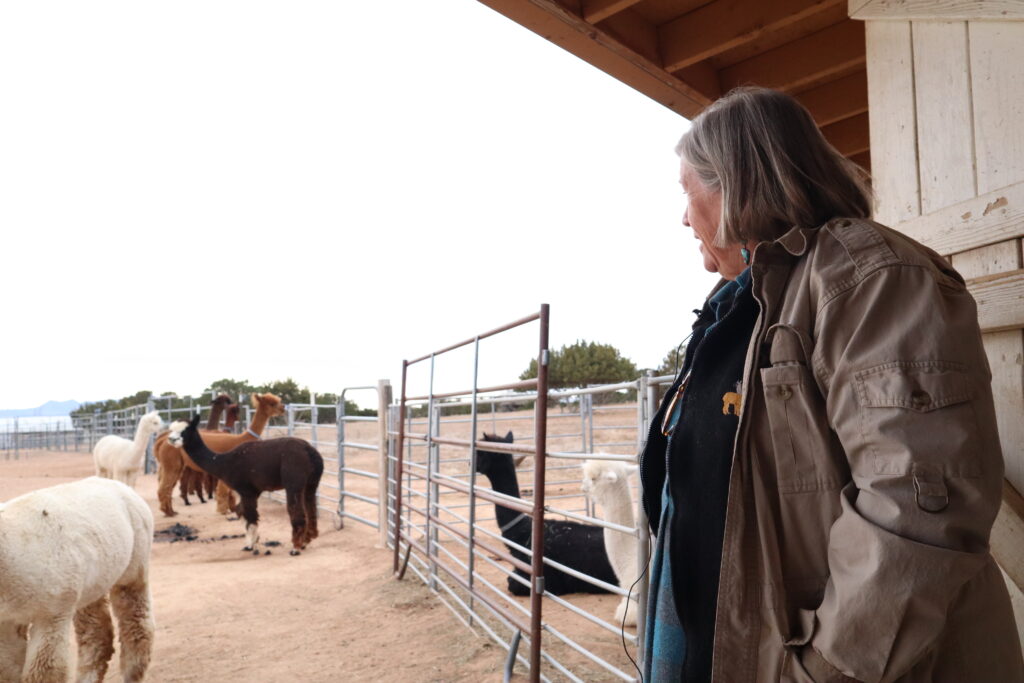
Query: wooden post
{"points": [[383, 403]]}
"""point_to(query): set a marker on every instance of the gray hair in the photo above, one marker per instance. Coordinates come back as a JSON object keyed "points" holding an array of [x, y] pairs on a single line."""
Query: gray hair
{"points": [[762, 150]]}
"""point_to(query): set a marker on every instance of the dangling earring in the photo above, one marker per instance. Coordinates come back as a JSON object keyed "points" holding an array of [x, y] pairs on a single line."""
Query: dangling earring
{"points": [[745, 253]]}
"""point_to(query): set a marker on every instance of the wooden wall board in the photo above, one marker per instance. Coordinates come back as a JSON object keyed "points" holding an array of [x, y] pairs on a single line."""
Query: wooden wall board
{"points": [[949, 10], [997, 74], [991, 260], [1005, 351], [1000, 302], [988, 219], [893, 120], [945, 122]]}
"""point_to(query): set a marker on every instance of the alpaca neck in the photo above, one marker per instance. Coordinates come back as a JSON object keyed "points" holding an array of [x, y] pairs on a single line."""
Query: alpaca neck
{"points": [[259, 421], [214, 420], [617, 507], [504, 480], [141, 440], [202, 456]]}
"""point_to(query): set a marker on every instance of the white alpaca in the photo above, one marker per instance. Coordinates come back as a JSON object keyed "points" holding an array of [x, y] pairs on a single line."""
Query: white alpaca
{"points": [[68, 554], [605, 482], [121, 459]]}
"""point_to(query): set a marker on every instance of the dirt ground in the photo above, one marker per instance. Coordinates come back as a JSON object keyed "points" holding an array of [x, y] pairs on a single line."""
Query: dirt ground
{"points": [[332, 614]]}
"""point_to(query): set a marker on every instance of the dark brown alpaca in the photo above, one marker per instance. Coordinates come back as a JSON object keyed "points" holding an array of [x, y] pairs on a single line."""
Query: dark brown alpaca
{"points": [[192, 481], [257, 466]]}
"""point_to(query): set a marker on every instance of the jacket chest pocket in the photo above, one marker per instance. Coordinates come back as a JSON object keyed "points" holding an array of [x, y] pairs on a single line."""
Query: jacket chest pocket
{"points": [[806, 452]]}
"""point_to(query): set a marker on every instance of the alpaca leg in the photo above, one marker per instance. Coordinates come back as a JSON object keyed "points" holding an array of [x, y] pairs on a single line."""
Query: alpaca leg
{"points": [[135, 628], [13, 643], [184, 484], [170, 471], [49, 643], [297, 513], [252, 519], [225, 499], [95, 632], [196, 485], [210, 482], [309, 495], [626, 608]]}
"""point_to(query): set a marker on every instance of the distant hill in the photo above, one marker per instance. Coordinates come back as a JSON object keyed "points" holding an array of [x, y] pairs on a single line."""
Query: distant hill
{"points": [[48, 409]]}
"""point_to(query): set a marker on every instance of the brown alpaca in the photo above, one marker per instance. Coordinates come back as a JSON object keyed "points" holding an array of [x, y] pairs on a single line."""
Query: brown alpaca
{"points": [[258, 466], [172, 459], [192, 481]]}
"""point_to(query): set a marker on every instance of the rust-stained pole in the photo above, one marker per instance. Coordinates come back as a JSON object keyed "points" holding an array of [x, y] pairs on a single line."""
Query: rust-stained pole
{"points": [[399, 451], [537, 543]]}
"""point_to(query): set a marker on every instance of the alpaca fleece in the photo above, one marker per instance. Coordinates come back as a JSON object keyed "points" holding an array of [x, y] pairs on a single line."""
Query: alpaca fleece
{"points": [[118, 458], [577, 546], [68, 554]]}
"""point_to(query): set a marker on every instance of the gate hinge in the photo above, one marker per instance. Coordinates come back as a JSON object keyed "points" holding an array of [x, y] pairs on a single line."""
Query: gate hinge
{"points": [[539, 585], [544, 357]]}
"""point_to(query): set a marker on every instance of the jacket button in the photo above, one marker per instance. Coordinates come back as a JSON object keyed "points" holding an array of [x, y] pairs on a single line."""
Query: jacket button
{"points": [[920, 398], [785, 393]]}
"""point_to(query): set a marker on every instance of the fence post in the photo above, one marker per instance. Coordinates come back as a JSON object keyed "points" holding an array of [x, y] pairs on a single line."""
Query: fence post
{"points": [[383, 403], [540, 460], [150, 465], [339, 416], [17, 452], [291, 420]]}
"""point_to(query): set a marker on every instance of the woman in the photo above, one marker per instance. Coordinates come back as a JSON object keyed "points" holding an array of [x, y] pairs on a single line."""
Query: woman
{"points": [[823, 475]]}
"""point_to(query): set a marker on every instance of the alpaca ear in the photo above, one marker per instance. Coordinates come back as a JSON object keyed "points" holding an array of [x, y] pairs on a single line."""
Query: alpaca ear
{"points": [[508, 437], [255, 400], [631, 469]]}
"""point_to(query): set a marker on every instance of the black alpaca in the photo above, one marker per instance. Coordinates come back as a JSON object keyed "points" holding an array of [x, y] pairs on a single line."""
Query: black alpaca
{"points": [[578, 546], [257, 466]]}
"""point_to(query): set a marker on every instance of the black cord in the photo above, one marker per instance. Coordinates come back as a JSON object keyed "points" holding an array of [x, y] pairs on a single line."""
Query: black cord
{"points": [[622, 626]]}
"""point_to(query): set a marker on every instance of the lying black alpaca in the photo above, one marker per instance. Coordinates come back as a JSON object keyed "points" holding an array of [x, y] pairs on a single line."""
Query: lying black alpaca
{"points": [[258, 466], [577, 546]]}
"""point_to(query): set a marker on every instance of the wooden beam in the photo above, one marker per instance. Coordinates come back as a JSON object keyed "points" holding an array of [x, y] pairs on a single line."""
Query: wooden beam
{"points": [[849, 136], [976, 222], [725, 24], [1000, 300], [1007, 539], [821, 56], [551, 20], [936, 10], [838, 99], [596, 11]]}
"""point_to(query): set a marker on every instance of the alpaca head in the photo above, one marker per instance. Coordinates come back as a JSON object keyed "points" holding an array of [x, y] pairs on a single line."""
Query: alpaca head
{"points": [[601, 476], [222, 401], [487, 462], [174, 435], [269, 403], [151, 423]]}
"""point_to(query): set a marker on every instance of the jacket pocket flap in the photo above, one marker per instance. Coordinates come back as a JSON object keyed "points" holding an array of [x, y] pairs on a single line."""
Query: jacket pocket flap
{"points": [[921, 386]]}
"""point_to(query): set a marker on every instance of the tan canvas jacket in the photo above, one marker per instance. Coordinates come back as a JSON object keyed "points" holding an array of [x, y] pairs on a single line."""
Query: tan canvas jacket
{"points": [[866, 474]]}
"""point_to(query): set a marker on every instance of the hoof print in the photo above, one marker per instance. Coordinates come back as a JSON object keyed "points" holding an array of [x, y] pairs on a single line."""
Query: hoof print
{"points": [[246, 548], [255, 551], [266, 552], [293, 552]]}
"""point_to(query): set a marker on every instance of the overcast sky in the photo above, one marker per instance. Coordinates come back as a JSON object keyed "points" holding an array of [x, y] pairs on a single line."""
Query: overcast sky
{"points": [[317, 190]]}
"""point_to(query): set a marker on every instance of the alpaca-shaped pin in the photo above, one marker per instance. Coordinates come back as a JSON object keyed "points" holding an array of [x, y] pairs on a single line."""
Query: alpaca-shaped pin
{"points": [[732, 403]]}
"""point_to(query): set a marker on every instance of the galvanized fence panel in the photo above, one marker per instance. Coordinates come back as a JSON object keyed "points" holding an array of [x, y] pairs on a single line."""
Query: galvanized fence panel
{"points": [[448, 533]]}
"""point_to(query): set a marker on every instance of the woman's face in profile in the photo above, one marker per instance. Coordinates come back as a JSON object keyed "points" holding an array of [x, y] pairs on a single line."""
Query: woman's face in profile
{"points": [[703, 213]]}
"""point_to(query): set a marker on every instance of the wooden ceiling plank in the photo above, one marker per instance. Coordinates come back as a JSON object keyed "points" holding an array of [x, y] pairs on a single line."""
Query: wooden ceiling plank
{"points": [[726, 24], [595, 11], [863, 160], [838, 99], [850, 136], [633, 31], [552, 21], [836, 50]]}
